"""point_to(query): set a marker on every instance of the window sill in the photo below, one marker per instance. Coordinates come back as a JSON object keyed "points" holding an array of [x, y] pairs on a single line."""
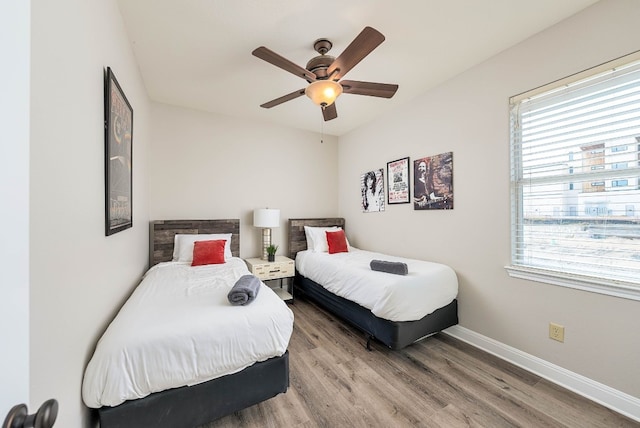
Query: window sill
{"points": [[610, 288]]}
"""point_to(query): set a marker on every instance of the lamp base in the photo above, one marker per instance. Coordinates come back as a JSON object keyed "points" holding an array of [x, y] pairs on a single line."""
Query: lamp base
{"points": [[266, 241]]}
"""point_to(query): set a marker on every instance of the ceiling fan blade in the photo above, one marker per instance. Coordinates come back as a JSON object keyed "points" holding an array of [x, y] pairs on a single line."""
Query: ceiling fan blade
{"points": [[279, 61], [284, 98], [360, 47], [383, 90], [329, 112]]}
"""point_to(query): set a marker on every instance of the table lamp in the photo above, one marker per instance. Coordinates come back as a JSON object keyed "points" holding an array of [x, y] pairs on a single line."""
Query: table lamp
{"points": [[266, 218]]}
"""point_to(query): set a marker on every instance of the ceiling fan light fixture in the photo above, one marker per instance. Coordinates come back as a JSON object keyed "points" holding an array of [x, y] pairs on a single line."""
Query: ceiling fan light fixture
{"points": [[323, 92]]}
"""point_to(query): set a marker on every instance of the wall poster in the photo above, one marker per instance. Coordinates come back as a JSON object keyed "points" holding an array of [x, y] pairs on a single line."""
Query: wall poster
{"points": [[372, 191], [398, 181], [118, 153], [433, 182]]}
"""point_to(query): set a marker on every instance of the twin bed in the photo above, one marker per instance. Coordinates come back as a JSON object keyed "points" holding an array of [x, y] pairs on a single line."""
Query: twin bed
{"points": [[396, 310], [178, 354]]}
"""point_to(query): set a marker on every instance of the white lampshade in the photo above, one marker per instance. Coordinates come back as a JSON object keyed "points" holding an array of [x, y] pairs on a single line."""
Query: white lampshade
{"points": [[323, 92], [266, 217]]}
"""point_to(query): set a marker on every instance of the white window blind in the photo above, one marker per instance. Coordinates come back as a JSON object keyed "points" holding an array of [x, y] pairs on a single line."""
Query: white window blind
{"points": [[575, 181]]}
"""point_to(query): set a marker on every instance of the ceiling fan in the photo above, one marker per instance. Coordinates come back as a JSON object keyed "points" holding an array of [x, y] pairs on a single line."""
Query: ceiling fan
{"points": [[324, 72]]}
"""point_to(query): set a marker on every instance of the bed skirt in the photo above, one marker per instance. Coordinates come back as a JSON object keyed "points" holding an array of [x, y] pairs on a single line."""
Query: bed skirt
{"points": [[190, 406], [394, 334]]}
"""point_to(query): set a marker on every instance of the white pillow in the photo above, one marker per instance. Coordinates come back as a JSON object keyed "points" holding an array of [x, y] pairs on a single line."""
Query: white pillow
{"points": [[317, 238], [183, 245]]}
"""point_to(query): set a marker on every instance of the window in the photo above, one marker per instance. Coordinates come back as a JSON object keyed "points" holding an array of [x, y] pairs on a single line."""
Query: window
{"points": [[575, 188], [619, 148]]}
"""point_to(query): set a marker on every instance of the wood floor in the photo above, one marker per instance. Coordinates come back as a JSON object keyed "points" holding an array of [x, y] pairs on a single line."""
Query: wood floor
{"points": [[437, 382]]}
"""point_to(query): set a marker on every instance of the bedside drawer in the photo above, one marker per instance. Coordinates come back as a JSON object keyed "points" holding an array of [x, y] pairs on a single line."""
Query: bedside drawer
{"points": [[273, 270]]}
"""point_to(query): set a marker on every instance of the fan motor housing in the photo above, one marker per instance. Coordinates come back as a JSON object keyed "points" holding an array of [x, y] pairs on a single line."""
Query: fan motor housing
{"points": [[319, 64]]}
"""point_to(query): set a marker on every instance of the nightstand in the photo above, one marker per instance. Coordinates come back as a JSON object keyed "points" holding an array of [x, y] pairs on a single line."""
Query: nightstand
{"points": [[282, 268]]}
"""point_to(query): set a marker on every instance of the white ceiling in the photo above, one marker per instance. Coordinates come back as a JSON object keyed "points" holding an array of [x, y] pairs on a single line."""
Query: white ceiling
{"points": [[197, 53]]}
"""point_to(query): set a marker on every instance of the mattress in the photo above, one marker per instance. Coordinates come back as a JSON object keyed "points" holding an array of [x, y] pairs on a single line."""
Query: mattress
{"points": [[178, 329], [427, 287]]}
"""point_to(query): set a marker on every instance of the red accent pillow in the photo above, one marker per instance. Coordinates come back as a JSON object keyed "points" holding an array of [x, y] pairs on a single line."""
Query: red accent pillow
{"points": [[337, 242], [208, 252]]}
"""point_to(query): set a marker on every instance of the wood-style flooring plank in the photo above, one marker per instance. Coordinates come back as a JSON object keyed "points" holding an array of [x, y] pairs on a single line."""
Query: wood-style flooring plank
{"points": [[322, 392], [519, 391], [452, 417], [564, 407], [500, 407], [438, 382], [569, 408]]}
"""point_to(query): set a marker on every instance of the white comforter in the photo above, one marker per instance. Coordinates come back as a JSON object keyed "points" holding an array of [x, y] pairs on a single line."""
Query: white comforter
{"points": [[178, 328], [427, 287]]}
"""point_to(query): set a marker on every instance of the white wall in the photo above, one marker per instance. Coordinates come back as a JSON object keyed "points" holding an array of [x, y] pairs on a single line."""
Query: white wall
{"points": [[14, 194], [212, 166], [468, 115], [79, 277]]}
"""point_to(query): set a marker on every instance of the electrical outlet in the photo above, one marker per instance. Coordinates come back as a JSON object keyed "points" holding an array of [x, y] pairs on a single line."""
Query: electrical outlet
{"points": [[556, 332]]}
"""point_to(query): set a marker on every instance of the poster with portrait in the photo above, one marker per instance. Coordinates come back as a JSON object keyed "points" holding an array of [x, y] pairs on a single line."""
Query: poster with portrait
{"points": [[433, 182], [372, 191], [398, 181], [118, 152]]}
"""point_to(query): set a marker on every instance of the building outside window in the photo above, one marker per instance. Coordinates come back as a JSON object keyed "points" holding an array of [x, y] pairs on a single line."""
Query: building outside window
{"points": [[575, 188]]}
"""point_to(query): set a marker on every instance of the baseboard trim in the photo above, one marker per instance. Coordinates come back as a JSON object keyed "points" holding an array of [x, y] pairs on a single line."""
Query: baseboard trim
{"points": [[615, 400]]}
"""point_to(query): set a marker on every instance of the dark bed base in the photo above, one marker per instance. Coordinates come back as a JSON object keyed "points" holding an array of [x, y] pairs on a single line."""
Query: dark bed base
{"points": [[190, 406], [396, 335]]}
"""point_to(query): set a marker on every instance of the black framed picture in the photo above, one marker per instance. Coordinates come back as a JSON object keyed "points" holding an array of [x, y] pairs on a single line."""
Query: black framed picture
{"points": [[398, 181], [118, 133]]}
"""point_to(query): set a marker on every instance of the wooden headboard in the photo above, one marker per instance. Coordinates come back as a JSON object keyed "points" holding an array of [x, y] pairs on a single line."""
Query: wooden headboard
{"points": [[163, 232], [297, 238]]}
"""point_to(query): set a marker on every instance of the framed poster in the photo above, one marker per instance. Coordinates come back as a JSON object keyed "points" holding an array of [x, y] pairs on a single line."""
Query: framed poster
{"points": [[118, 126], [398, 181], [433, 182], [372, 191]]}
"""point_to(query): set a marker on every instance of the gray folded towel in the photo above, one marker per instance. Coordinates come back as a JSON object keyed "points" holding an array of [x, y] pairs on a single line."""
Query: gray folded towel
{"points": [[397, 268], [244, 291]]}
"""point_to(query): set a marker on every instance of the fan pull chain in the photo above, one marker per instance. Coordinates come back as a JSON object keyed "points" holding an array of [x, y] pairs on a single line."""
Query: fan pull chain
{"points": [[322, 130]]}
